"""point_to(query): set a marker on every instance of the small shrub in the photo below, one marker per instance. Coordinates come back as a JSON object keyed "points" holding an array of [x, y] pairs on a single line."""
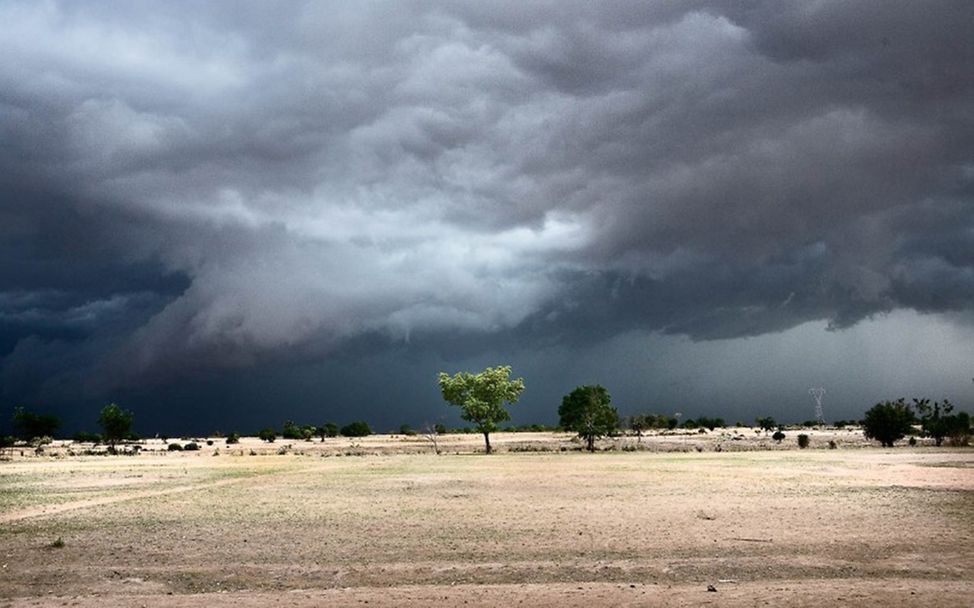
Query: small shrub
{"points": [[268, 435], [832, 444], [803, 441], [192, 446], [233, 438], [175, 447], [86, 437], [57, 544], [778, 436], [209, 442], [912, 441]]}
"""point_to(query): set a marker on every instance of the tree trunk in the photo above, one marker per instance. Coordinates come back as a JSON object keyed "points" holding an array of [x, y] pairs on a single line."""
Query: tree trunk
{"points": [[591, 443], [487, 440]]}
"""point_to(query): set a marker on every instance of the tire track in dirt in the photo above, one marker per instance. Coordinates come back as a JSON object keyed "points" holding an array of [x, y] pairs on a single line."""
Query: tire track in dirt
{"points": [[48, 510]]}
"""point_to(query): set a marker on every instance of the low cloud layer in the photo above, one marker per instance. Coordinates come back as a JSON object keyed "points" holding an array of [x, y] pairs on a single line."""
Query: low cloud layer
{"points": [[224, 186]]}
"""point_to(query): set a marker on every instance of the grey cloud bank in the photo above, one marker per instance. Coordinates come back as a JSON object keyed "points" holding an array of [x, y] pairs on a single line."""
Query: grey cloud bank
{"points": [[200, 198]]}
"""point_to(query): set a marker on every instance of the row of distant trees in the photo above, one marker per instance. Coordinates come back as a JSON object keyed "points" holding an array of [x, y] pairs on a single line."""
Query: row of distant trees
{"points": [[588, 411], [483, 399]]}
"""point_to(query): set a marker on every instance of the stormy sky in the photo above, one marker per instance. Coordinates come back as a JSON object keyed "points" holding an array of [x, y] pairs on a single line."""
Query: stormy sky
{"points": [[222, 215]]}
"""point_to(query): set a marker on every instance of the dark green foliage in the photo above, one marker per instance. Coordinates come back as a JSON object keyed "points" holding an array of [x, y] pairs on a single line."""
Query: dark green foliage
{"points": [[803, 441], [888, 422], [766, 424], [297, 431], [809, 423], [778, 436], [405, 429], [439, 429], [643, 422], [358, 428], [192, 446], [329, 429], [86, 437], [233, 438], [588, 411], [29, 425], [711, 423], [937, 421], [116, 423], [268, 435], [175, 447]]}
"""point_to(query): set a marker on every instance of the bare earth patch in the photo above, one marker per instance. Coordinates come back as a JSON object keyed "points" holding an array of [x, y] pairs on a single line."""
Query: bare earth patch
{"points": [[856, 527]]}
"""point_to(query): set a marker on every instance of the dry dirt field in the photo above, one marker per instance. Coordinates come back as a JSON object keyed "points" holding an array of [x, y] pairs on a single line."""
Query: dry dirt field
{"points": [[382, 522]]}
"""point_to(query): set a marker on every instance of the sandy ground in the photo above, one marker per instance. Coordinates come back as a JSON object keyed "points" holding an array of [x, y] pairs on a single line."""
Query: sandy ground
{"points": [[654, 527]]}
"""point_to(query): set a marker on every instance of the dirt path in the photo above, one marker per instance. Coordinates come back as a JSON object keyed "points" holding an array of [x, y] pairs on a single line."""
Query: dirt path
{"points": [[858, 593]]}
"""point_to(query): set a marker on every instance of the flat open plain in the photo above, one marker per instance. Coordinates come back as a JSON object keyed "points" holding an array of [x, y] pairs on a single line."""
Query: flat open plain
{"points": [[316, 526]]}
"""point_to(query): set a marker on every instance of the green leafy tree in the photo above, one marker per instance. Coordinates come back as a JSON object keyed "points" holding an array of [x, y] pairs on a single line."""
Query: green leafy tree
{"points": [[328, 429], [268, 435], [481, 397], [778, 436], [888, 422], [766, 424], [358, 428], [30, 425], [116, 424], [639, 423], [937, 421], [587, 410]]}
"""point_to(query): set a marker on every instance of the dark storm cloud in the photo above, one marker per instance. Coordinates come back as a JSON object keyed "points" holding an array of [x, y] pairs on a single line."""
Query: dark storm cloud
{"points": [[229, 184]]}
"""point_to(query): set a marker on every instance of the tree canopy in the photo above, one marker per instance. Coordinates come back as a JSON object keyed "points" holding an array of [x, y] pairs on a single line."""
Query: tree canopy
{"points": [[888, 422], [30, 425], [116, 423], [587, 410], [481, 397]]}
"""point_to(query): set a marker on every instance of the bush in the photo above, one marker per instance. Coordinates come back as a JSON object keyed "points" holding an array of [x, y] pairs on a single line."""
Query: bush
{"points": [[358, 428], [86, 437], [191, 446], [832, 444], [268, 435], [233, 438], [175, 447], [778, 436], [888, 422], [803, 441], [439, 429], [912, 442], [405, 429]]}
